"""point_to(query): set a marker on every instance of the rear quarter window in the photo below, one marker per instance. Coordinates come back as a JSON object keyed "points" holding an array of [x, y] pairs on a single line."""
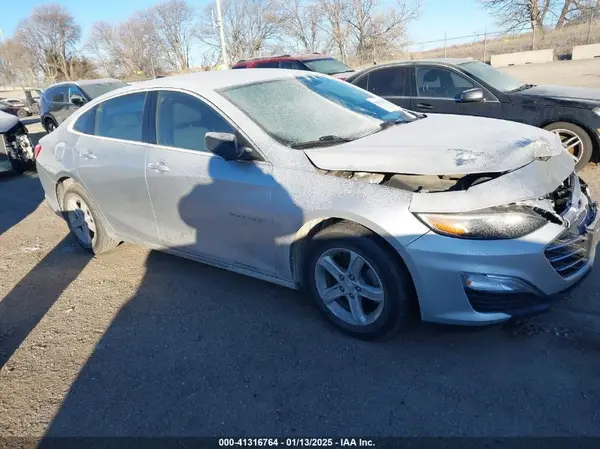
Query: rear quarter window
{"points": [[85, 123]]}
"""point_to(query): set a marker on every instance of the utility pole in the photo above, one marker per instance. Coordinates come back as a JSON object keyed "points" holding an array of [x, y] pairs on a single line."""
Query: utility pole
{"points": [[222, 35], [484, 44], [445, 43], [589, 36]]}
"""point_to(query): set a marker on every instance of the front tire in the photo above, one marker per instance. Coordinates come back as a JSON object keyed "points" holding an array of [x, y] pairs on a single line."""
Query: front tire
{"points": [[575, 140], [19, 166], [359, 283], [50, 125], [84, 220]]}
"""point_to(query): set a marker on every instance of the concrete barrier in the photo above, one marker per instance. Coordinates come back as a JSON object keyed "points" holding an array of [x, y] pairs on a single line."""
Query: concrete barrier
{"points": [[586, 51], [522, 58]]}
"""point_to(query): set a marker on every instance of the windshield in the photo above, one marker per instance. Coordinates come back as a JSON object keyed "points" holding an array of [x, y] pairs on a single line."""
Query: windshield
{"points": [[95, 90], [495, 78], [307, 108], [328, 66]]}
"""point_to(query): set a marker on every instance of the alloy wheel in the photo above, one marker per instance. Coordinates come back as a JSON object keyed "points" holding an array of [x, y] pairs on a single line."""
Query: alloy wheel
{"points": [[571, 142], [81, 219], [349, 287]]}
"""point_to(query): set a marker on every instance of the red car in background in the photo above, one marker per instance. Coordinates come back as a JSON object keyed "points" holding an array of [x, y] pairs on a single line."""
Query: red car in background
{"points": [[314, 62]]}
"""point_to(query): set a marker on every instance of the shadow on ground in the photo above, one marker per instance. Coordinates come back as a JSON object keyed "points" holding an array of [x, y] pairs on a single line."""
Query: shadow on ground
{"points": [[20, 195], [199, 351], [28, 302]]}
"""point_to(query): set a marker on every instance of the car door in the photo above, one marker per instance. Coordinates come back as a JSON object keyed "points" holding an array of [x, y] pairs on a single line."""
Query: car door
{"points": [[439, 90], [111, 163], [214, 209], [391, 83], [59, 102]]}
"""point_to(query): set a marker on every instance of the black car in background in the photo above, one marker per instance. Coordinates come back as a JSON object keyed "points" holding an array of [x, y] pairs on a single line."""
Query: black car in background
{"points": [[469, 87], [62, 99], [9, 108]]}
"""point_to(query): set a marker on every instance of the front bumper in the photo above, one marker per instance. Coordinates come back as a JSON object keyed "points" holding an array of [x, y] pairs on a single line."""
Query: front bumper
{"points": [[550, 260]]}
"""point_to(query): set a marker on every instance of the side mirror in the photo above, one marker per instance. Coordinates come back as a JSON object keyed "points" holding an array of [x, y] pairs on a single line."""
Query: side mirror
{"points": [[77, 100], [472, 95], [224, 145]]}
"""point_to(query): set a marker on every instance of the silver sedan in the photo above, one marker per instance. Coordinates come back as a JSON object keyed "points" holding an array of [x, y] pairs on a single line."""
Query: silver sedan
{"points": [[310, 182]]}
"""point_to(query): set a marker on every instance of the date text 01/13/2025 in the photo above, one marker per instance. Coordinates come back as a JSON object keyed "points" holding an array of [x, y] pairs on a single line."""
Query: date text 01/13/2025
{"points": [[296, 442]]}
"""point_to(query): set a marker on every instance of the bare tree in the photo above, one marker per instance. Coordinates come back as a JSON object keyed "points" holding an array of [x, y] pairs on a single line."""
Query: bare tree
{"points": [[127, 49], [335, 12], [303, 20], [388, 28], [250, 26], [173, 26], [577, 11], [516, 15], [50, 37]]}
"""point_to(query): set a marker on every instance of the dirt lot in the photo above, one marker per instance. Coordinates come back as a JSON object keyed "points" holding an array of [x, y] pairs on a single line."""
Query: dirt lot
{"points": [[142, 343], [585, 73]]}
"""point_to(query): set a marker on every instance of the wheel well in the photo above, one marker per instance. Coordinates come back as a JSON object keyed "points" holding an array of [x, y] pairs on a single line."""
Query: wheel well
{"points": [[60, 188], [302, 243], [590, 133]]}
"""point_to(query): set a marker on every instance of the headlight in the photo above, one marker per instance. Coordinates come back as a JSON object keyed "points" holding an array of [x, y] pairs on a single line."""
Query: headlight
{"points": [[506, 222], [596, 111]]}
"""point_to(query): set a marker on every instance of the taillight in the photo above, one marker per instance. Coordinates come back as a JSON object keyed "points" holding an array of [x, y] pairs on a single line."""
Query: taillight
{"points": [[37, 150]]}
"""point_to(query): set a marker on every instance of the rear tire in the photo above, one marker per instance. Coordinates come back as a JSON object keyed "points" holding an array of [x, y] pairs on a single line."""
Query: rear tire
{"points": [[568, 133], [84, 220], [379, 286], [22, 113]]}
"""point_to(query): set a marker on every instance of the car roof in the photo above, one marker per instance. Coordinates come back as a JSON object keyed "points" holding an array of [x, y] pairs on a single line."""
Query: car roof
{"points": [[440, 61], [301, 57], [200, 82], [87, 82]]}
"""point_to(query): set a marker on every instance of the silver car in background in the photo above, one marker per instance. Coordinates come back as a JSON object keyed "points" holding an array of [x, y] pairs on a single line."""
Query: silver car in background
{"points": [[306, 181]]}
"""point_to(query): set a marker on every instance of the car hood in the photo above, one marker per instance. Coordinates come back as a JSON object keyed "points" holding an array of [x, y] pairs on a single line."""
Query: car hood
{"points": [[7, 121], [441, 144], [562, 92], [344, 75]]}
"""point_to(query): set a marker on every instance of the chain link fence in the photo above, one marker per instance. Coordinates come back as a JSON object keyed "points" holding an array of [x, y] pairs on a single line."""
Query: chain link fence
{"points": [[482, 46]]}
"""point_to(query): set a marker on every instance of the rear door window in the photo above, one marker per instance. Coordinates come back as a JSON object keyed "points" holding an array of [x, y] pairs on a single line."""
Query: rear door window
{"points": [[267, 65], [390, 82], [292, 65], [121, 117], [57, 94]]}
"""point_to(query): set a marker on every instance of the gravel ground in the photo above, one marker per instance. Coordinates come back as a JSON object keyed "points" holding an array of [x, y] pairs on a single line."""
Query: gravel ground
{"points": [[585, 73], [137, 342]]}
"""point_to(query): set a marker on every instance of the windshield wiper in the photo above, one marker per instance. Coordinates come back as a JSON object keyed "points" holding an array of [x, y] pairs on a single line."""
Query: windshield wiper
{"points": [[521, 88], [322, 141]]}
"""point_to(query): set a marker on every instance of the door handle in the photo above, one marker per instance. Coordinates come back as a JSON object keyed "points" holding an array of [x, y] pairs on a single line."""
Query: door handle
{"points": [[425, 106], [86, 154], [158, 167]]}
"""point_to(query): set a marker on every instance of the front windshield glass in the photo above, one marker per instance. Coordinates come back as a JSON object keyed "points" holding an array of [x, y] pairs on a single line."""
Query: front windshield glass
{"points": [[495, 78], [95, 90], [307, 108], [328, 66]]}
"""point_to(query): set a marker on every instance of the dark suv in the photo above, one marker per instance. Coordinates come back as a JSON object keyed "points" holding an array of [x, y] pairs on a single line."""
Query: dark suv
{"points": [[315, 62], [62, 99]]}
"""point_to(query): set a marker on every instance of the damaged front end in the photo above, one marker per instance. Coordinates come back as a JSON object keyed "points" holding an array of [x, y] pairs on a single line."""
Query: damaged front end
{"points": [[494, 205], [417, 183]]}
